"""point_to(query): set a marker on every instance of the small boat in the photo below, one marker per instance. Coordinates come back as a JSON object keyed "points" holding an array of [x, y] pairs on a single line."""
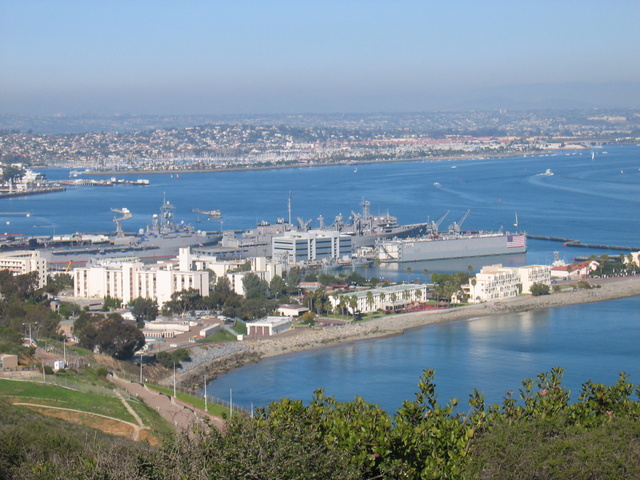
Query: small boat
{"points": [[547, 173]]}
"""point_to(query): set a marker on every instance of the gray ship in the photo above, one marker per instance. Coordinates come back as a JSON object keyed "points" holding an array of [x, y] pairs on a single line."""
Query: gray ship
{"points": [[364, 229], [160, 239], [454, 243]]}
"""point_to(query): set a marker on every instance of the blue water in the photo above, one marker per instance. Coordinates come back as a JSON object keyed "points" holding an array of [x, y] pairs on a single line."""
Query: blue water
{"points": [[595, 201], [494, 354]]}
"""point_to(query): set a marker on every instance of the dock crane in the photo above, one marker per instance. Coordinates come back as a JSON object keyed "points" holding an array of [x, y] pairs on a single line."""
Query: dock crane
{"points": [[126, 215], [456, 226], [434, 225]]}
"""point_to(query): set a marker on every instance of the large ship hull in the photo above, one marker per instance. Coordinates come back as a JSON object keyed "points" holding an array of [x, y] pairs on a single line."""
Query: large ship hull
{"points": [[454, 246], [146, 249]]}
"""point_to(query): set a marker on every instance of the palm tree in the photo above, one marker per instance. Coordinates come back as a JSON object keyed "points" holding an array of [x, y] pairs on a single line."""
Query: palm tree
{"points": [[394, 297], [425, 272], [353, 304], [409, 270], [370, 299]]}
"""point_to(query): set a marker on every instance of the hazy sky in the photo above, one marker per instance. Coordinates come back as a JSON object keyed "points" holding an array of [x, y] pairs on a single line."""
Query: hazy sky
{"points": [[287, 56]]}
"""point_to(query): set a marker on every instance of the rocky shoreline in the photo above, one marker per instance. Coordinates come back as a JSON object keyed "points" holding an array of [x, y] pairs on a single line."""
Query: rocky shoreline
{"points": [[215, 360]]}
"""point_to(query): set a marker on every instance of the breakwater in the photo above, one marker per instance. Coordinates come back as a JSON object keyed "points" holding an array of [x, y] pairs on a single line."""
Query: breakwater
{"points": [[568, 242]]}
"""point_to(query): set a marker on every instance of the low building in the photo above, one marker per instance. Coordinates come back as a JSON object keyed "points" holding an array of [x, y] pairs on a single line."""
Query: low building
{"points": [[8, 361], [574, 270], [292, 310], [394, 297], [20, 262], [269, 326]]}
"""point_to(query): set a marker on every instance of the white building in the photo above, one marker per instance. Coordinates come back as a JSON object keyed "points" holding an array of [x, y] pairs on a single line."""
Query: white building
{"points": [[266, 327], [128, 280], [393, 298], [314, 245], [20, 262], [263, 267], [495, 282]]}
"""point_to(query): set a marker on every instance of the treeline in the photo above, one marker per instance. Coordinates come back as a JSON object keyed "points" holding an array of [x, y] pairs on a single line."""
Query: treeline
{"points": [[535, 434]]}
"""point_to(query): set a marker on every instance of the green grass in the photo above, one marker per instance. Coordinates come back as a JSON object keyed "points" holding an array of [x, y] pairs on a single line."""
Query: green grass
{"points": [[221, 336], [213, 408], [55, 396], [149, 416]]}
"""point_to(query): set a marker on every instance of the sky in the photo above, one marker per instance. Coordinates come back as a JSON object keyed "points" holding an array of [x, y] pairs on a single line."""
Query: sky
{"points": [[315, 56]]}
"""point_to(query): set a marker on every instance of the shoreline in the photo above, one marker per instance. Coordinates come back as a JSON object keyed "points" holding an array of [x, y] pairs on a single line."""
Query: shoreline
{"points": [[239, 168], [299, 340]]}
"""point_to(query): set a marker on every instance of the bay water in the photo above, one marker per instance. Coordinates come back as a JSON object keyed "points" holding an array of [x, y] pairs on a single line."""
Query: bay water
{"points": [[594, 200]]}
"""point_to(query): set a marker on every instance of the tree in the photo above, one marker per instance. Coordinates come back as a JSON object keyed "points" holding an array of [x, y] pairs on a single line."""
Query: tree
{"points": [[110, 335], [168, 359], [111, 303], [254, 286], [409, 271], [425, 272], [144, 309], [538, 289], [184, 301], [293, 277], [277, 286], [353, 305], [370, 300]]}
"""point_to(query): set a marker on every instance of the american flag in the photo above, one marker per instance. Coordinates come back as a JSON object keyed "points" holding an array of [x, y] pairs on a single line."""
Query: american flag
{"points": [[515, 241]]}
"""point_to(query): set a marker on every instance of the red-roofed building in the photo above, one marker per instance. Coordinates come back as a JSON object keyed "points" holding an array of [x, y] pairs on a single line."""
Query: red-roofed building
{"points": [[575, 270]]}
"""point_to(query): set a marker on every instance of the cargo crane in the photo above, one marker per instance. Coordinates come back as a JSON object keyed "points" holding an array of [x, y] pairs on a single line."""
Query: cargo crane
{"points": [[434, 225], [126, 215], [456, 226]]}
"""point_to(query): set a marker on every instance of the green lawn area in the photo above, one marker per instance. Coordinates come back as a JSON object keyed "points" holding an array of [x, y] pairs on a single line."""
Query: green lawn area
{"points": [[55, 396], [213, 409], [221, 336]]}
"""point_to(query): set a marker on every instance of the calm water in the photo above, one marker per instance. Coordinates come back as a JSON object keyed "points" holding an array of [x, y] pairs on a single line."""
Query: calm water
{"points": [[595, 201], [491, 354]]}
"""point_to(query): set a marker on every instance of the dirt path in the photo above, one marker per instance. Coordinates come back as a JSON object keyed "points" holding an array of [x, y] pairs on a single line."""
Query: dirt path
{"points": [[179, 414], [136, 431]]}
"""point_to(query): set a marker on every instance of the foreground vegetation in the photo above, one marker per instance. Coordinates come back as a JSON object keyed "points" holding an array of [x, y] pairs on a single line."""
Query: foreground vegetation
{"points": [[536, 434]]}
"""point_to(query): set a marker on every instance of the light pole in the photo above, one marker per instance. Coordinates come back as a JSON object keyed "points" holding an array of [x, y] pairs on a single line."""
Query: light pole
{"points": [[174, 378], [141, 368], [230, 403], [205, 393]]}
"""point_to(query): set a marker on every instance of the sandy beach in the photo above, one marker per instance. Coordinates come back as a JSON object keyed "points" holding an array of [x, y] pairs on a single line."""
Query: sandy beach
{"points": [[220, 359]]}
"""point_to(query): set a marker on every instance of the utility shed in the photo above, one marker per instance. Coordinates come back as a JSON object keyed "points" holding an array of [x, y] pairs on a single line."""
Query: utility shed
{"points": [[8, 361], [266, 327]]}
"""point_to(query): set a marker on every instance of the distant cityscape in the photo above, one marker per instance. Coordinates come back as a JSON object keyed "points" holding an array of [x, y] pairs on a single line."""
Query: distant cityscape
{"points": [[159, 143]]}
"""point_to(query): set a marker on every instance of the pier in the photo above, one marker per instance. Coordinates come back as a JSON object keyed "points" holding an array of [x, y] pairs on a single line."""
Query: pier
{"points": [[568, 242]]}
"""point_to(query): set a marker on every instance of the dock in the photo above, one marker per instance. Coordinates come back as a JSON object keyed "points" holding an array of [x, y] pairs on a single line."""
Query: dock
{"points": [[569, 242]]}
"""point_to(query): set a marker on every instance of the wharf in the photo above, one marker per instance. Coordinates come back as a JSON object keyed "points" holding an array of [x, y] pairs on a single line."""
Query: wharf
{"points": [[568, 242], [32, 191]]}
